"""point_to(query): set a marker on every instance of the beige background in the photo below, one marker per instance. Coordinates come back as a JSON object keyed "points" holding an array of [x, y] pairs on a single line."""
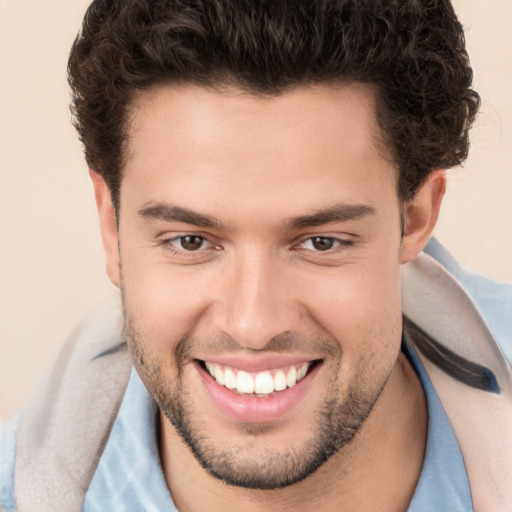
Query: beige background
{"points": [[51, 262]]}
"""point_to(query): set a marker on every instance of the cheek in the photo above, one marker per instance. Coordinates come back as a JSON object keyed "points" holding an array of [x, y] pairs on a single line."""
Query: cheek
{"points": [[360, 307], [167, 303]]}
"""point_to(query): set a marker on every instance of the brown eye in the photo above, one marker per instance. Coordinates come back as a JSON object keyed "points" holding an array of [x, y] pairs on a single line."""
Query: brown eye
{"points": [[191, 242], [322, 243]]}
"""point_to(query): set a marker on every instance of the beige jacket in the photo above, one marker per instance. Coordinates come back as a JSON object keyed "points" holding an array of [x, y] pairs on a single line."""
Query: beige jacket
{"points": [[66, 427]]}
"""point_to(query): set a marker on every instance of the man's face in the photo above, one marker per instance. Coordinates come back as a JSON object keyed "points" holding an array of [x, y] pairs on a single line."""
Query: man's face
{"points": [[259, 239]]}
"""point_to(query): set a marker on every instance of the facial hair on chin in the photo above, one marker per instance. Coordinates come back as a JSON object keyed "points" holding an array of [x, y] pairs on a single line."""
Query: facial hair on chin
{"points": [[338, 418]]}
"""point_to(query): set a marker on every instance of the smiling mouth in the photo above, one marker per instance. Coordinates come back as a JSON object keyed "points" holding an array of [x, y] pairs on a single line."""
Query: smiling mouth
{"points": [[259, 384]]}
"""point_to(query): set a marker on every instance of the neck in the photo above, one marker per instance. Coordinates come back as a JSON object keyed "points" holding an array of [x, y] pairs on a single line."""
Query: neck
{"points": [[378, 470]]}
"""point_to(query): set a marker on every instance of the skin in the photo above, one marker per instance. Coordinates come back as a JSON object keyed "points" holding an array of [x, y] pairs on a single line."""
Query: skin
{"points": [[253, 165]]}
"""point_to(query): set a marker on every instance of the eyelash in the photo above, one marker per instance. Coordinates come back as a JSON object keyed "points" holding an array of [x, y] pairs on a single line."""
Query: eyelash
{"points": [[339, 244], [169, 244]]}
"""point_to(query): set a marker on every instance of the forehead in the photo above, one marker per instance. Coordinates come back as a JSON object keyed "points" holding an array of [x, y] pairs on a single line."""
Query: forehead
{"points": [[316, 113], [317, 141]]}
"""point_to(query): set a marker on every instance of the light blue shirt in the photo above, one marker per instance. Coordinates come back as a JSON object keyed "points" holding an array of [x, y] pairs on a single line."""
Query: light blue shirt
{"points": [[7, 455], [129, 477]]}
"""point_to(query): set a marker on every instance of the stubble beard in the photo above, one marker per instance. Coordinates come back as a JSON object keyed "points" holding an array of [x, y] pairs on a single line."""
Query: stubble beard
{"points": [[337, 422]]}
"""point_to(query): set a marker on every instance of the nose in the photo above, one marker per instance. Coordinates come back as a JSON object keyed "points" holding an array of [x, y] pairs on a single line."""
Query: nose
{"points": [[257, 302]]}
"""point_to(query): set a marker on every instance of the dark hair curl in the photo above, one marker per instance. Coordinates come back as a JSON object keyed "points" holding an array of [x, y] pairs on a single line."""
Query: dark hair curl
{"points": [[411, 51]]}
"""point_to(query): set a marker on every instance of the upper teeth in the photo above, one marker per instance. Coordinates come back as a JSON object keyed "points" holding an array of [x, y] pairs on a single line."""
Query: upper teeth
{"points": [[261, 383]]}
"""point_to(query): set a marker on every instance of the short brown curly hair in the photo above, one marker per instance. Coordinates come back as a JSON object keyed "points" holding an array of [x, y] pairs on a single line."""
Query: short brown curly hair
{"points": [[411, 51]]}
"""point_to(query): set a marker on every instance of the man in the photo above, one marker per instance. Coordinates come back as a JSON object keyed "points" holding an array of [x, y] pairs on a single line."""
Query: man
{"points": [[262, 171]]}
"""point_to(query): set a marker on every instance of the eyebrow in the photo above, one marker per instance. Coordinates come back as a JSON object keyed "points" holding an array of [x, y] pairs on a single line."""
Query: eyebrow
{"points": [[171, 213], [336, 213]]}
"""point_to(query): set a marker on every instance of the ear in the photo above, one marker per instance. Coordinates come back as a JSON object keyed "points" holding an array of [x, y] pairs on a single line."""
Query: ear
{"points": [[108, 226], [420, 215]]}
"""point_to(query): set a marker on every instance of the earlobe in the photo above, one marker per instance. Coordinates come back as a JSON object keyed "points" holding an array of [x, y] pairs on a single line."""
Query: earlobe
{"points": [[420, 215], [108, 226]]}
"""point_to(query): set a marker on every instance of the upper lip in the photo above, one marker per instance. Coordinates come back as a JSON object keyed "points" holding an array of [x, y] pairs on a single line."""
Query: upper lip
{"points": [[258, 363]]}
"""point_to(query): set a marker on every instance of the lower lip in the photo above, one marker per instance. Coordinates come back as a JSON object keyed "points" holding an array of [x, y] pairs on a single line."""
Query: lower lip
{"points": [[251, 409]]}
